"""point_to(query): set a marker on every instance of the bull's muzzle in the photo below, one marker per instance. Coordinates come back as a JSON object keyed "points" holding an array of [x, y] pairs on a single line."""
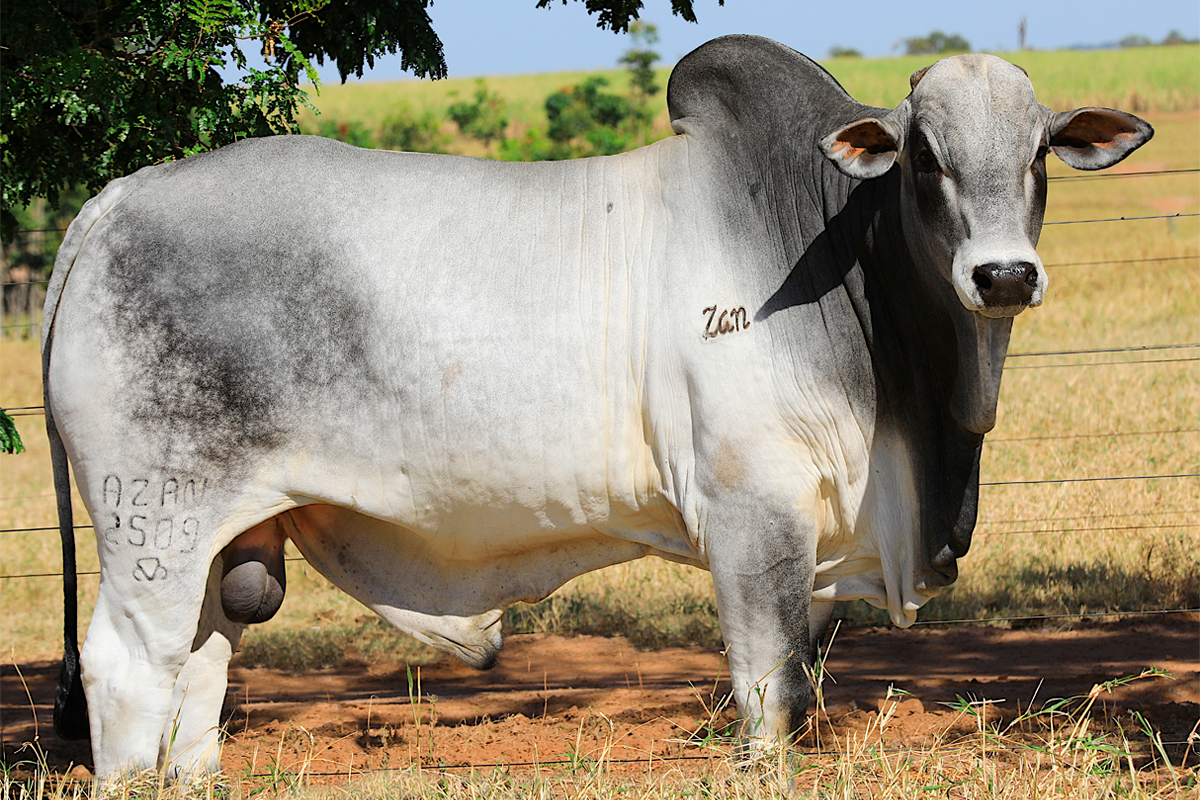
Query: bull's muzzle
{"points": [[1006, 285]]}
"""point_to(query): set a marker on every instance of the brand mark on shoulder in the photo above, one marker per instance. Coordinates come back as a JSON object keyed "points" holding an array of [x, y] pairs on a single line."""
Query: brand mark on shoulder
{"points": [[728, 321]]}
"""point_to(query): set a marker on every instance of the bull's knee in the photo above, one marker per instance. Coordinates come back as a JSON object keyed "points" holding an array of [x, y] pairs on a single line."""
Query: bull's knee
{"points": [[253, 579]]}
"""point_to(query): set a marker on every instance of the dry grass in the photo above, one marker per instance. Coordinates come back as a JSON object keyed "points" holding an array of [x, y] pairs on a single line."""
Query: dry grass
{"points": [[1062, 749]]}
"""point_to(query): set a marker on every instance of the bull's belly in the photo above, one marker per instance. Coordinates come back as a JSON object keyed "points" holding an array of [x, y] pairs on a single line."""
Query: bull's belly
{"points": [[497, 510]]}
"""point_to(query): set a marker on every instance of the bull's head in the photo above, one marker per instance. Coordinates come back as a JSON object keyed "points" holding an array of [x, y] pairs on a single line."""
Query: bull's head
{"points": [[971, 142]]}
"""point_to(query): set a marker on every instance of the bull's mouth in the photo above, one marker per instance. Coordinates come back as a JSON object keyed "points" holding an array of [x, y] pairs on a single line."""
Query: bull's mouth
{"points": [[930, 583], [1004, 312]]}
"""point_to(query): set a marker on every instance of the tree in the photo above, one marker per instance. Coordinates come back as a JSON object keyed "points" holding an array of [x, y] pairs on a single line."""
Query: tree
{"points": [[837, 51], [1135, 40], [617, 15], [10, 440], [589, 113], [416, 132], [639, 60], [94, 90], [936, 43], [583, 120]]}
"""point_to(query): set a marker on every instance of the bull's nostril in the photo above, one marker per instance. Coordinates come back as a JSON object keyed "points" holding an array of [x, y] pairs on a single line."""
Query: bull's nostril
{"points": [[1005, 285], [982, 281]]}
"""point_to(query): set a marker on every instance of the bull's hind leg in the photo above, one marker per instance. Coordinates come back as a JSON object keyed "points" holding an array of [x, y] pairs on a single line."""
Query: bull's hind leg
{"points": [[245, 584], [137, 643], [191, 741], [153, 665]]}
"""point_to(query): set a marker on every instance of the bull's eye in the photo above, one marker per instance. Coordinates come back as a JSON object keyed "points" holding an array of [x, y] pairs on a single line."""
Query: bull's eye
{"points": [[926, 162], [1042, 152]]}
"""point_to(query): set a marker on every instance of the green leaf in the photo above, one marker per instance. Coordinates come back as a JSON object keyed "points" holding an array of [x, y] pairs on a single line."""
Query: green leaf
{"points": [[10, 440], [210, 15]]}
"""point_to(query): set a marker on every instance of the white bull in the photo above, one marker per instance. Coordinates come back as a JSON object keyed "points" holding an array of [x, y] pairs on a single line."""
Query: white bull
{"points": [[768, 346]]}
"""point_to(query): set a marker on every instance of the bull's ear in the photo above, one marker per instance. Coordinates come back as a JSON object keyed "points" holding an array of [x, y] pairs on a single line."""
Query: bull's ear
{"points": [[863, 149], [1095, 138]]}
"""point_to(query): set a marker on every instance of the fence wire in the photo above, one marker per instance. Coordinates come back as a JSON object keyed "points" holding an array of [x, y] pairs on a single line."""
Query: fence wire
{"points": [[1068, 264], [1137, 349], [18, 411], [1106, 528], [1070, 518], [1091, 480], [1114, 435], [1119, 219], [1020, 618], [979, 531], [1111, 175]]}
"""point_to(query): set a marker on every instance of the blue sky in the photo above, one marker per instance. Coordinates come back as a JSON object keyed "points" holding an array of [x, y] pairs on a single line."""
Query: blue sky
{"points": [[494, 37]]}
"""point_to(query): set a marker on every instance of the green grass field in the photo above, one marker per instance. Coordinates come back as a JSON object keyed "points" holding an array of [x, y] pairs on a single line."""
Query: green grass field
{"points": [[1040, 549]]}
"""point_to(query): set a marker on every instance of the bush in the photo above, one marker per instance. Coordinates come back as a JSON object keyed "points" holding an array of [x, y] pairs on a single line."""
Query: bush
{"points": [[415, 133], [533, 146], [482, 118], [353, 132], [1136, 40], [586, 121]]}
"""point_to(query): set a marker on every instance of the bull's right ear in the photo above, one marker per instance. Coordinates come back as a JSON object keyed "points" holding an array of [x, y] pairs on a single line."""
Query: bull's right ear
{"points": [[863, 149]]}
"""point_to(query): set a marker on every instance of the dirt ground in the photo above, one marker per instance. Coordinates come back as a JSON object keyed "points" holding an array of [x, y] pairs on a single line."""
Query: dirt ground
{"points": [[551, 696]]}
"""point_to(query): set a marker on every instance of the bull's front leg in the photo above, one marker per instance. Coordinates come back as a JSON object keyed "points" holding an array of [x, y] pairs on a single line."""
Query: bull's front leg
{"points": [[763, 564]]}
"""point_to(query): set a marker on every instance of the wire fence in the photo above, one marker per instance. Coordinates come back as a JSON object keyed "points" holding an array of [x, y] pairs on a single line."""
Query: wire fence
{"points": [[26, 293]]}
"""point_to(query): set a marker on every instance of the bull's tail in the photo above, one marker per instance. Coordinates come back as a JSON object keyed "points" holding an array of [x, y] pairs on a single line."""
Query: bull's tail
{"points": [[70, 704]]}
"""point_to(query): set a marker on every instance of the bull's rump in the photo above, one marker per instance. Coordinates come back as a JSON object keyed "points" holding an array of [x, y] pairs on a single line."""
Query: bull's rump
{"points": [[438, 342]]}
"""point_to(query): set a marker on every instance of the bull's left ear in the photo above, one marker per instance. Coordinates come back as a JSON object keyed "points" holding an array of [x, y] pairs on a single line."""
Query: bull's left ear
{"points": [[863, 149], [1095, 138]]}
